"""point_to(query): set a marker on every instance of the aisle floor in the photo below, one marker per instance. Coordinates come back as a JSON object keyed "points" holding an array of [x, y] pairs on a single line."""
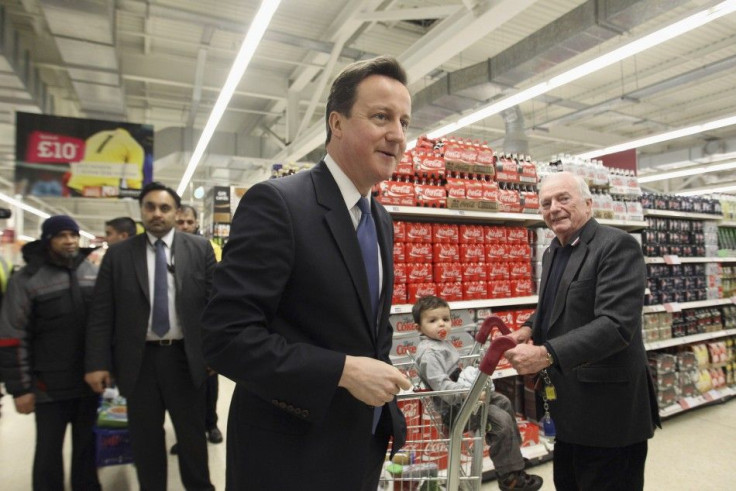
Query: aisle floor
{"points": [[695, 450]]}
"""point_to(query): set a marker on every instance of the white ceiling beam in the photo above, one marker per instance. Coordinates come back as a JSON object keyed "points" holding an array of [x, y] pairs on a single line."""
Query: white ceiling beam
{"points": [[419, 13]]}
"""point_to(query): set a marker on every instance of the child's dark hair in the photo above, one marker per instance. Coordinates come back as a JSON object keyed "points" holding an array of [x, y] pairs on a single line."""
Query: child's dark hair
{"points": [[429, 302]]}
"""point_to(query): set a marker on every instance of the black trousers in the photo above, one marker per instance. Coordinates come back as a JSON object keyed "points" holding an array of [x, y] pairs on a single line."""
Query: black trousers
{"points": [[52, 419], [584, 468], [212, 390], [164, 384]]}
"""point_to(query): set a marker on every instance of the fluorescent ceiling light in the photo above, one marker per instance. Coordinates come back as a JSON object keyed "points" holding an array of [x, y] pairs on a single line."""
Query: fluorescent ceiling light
{"points": [[250, 43], [695, 192], [649, 41], [701, 169], [661, 137], [36, 211]]}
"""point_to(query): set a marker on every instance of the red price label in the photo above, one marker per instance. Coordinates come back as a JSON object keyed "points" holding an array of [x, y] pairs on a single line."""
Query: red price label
{"points": [[52, 148]]}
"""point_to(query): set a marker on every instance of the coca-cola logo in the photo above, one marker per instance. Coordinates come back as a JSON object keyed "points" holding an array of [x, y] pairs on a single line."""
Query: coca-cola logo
{"points": [[432, 192], [399, 189], [406, 326], [433, 163], [457, 343], [420, 250], [405, 348], [410, 409], [508, 197], [453, 152]]}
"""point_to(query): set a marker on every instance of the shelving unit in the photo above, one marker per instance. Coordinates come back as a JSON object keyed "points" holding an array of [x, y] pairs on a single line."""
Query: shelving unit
{"points": [[693, 338], [681, 214], [475, 304], [683, 260], [676, 307], [711, 397]]}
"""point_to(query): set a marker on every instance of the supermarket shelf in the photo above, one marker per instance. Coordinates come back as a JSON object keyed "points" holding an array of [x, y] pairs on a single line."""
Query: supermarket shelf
{"points": [[727, 223], [475, 304], [676, 307], [525, 219], [693, 338], [710, 397], [683, 260], [681, 214], [628, 225]]}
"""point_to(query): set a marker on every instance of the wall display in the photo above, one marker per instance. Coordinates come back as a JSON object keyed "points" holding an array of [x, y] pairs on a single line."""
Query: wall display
{"points": [[59, 156]]}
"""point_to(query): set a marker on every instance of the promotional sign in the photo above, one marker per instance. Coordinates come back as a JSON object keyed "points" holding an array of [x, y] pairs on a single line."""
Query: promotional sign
{"points": [[58, 156]]}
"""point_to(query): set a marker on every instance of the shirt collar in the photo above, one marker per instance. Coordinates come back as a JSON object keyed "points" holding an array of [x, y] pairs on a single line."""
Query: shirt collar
{"points": [[349, 192], [168, 238], [575, 238]]}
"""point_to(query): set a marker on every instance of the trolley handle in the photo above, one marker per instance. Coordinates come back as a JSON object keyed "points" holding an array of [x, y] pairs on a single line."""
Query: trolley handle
{"points": [[499, 346], [488, 324]]}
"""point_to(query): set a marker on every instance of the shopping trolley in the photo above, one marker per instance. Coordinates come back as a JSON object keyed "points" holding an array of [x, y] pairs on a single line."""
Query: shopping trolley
{"points": [[436, 456]]}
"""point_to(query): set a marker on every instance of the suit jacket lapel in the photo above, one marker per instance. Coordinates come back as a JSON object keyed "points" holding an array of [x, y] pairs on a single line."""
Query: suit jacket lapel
{"points": [[579, 252], [546, 259], [140, 263], [342, 229]]}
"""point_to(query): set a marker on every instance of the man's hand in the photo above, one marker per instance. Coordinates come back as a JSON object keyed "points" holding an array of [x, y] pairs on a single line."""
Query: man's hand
{"points": [[528, 358], [372, 381], [521, 335], [98, 380], [25, 404]]}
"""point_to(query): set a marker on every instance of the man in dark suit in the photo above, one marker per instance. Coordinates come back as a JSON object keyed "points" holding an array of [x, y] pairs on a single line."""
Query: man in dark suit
{"points": [[588, 344], [144, 329], [297, 317]]}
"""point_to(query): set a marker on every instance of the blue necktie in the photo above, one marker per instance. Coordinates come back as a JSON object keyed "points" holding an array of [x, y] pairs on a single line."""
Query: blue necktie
{"points": [[368, 240], [160, 318]]}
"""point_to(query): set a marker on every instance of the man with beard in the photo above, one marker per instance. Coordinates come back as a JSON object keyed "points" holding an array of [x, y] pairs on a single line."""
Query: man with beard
{"points": [[144, 330], [42, 351]]}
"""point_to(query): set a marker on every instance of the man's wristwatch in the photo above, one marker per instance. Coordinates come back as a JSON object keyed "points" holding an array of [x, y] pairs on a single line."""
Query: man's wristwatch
{"points": [[550, 359]]}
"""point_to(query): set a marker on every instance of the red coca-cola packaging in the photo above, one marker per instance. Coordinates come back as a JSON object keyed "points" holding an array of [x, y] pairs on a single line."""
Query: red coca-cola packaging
{"points": [[485, 155], [455, 188], [445, 232], [399, 272], [517, 234], [498, 271], [419, 272], [448, 272], [399, 295], [489, 191], [528, 172], [419, 252], [396, 193], [403, 323], [529, 202], [521, 288], [399, 252], [446, 253], [403, 345], [473, 272], [470, 234], [430, 195], [418, 232], [473, 190], [520, 252], [472, 253], [429, 164], [419, 290], [405, 168], [399, 231], [509, 201], [453, 151], [475, 290], [495, 234], [499, 289], [452, 292], [522, 315], [507, 170], [519, 270], [507, 316], [412, 410], [496, 252], [469, 153]]}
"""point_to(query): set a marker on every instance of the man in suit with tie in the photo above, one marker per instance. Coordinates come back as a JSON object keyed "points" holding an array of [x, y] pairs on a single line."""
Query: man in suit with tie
{"points": [[588, 344], [299, 312], [144, 329]]}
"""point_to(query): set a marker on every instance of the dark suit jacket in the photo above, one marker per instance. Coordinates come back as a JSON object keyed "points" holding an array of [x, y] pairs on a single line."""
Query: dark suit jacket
{"points": [[290, 300], [118, 320], [605, 394]]}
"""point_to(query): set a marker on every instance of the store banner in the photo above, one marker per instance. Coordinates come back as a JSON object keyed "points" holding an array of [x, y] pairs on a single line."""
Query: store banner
{"points": [[59, 156]]}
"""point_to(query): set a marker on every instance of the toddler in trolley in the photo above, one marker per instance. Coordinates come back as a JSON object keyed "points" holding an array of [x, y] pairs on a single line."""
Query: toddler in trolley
{"points": [[437, 361]]}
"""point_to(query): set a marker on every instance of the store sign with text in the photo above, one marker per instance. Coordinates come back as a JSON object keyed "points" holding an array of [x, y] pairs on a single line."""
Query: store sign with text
{"points": [[59, 156]]}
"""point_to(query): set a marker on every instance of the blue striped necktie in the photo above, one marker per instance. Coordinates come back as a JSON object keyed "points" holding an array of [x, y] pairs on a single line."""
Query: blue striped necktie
{"points": [[160, 319]]}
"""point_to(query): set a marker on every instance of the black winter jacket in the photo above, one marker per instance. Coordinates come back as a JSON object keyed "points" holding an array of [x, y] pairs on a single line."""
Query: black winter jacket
{"points": [[42, 326]]}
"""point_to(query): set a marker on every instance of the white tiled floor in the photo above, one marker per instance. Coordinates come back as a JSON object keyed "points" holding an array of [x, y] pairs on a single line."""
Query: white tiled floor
{"points": [[695, 450]]}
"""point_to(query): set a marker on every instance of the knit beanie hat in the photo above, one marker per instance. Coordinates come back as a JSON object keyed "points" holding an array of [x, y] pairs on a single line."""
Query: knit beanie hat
{"points": [[56, 224]]}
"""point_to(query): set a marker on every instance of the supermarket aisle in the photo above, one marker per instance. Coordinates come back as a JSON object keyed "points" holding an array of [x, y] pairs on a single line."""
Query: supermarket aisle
{"points": [[694, 451]]}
